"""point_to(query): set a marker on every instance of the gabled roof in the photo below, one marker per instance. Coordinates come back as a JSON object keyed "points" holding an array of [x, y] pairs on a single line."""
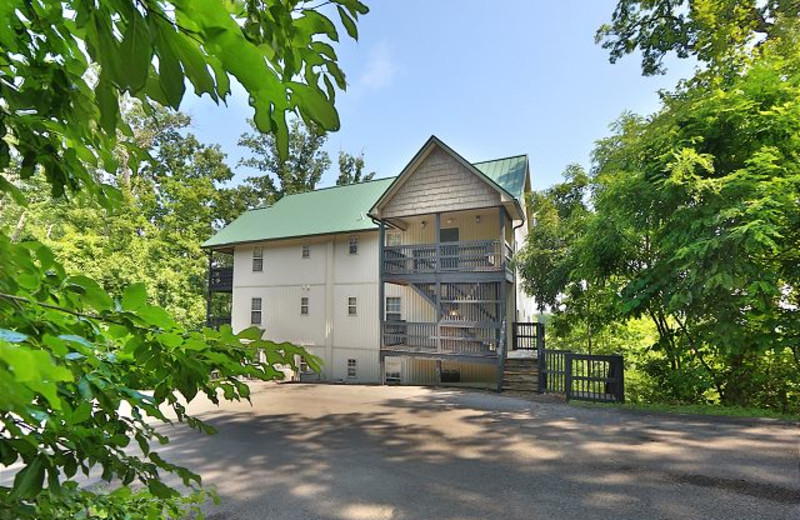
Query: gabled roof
{"points": [[339, 209], [509, 172], [344, 209], [499, 172]]}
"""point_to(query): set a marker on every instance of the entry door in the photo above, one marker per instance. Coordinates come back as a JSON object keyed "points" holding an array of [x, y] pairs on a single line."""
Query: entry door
{"points": [[450, 253]]}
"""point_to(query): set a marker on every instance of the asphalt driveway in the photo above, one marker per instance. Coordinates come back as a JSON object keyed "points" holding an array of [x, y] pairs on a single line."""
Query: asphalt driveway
{"points": [[372, 453]]}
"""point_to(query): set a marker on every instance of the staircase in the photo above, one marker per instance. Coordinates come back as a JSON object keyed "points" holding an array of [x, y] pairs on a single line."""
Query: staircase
{"points": [[521, 375]]}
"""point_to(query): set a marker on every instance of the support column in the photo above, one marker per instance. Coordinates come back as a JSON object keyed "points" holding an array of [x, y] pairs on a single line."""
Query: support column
{"points": [[437, 372], [381, 299], [208, 299], [502, 339]]}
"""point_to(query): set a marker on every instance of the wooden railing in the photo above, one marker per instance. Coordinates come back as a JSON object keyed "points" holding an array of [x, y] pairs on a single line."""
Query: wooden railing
{"points": [[220, 279], [583, 377], [215, 322], [452, 337], [465, 256], [527, 336]]}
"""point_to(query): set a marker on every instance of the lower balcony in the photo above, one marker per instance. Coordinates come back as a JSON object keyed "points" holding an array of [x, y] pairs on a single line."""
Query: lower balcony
{"points": [[454, 339]]}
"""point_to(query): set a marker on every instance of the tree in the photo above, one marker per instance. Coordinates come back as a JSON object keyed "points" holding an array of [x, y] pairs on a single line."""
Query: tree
{"points": [[715, 32], [350, 169], [70, 353], [297, 172]]}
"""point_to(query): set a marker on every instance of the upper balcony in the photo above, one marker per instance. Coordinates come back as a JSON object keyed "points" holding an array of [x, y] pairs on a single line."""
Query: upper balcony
{"points": [[220, 279], [476, 257]]}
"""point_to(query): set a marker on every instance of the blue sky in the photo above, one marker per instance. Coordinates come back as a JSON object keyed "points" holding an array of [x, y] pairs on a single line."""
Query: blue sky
{"points": [[491, 79]]}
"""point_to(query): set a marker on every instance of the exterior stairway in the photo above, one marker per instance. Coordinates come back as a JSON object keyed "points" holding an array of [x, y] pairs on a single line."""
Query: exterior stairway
{"points": [[520, 375]]}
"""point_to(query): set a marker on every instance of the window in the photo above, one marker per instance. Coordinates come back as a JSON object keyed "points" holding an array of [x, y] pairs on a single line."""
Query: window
{"points": [[353, 245], [351, 367], [352, 306], [305, 251], [392, 239], [304, 305], [393, 308], [258, 259], [255, 311]]}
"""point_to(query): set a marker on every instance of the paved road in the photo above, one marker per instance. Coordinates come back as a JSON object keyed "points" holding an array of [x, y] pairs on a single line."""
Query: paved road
{"points": [[372, 453]]}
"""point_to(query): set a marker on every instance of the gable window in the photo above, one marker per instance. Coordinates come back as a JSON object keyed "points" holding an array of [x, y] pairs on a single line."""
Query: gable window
{"points": [[352, 306], [305, 251], [255, 311], [392, 239], [393, 308], [352, 366], [304, 305], [258, 259], [353, 245]]}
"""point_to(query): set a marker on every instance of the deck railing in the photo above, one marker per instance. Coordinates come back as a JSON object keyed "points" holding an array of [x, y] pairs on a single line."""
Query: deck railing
{"points": [[445, 337], [442, 257], [220, 279], [583, 377]]}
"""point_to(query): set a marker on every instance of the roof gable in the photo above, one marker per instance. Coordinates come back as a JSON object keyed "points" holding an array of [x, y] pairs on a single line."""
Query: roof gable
{"points": [[462, 185]]}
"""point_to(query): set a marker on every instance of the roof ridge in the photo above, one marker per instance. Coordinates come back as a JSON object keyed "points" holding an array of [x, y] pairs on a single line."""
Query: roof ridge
{"points": [[501, 158], [315, 190]]}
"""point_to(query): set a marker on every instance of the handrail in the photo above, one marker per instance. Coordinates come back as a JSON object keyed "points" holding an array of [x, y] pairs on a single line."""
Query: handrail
{"points": [[437, 257]]}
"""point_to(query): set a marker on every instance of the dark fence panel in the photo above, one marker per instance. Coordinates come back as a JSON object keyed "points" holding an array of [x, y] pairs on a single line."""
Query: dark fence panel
{"points": [[527, 335], [582, 377]]}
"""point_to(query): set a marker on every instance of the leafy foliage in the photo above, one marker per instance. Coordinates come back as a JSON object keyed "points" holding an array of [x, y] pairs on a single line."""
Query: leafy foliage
{"points": [[351, 169], [73, 357], [715, 32], [297, 172], [695, 227]]}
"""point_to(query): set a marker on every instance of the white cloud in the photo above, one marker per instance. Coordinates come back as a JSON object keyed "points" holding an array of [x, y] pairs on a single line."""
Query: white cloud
{"points": [[380, 69]]}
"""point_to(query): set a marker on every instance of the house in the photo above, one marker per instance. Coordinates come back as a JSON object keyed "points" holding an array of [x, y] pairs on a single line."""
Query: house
{"points": [[404, 279]]}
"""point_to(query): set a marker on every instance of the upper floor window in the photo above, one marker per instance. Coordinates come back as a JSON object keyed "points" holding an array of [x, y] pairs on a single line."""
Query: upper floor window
{"points": [[304, 305], [305, 251], [255, 311], [352, 306], [353, 245], [258, 259], [393, 308], [392, 239]]}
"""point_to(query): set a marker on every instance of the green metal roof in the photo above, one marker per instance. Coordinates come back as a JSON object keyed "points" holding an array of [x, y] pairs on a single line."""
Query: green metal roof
{"points": [[508, 173], [339, 209], [342, 209]]}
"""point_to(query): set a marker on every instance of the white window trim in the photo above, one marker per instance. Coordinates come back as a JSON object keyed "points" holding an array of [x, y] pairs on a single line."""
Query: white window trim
{"points": [[259, 310], [352, 366], [353, 306], [390, 238], [258, 254], [386, 307], [304, 305], [353, 241]]}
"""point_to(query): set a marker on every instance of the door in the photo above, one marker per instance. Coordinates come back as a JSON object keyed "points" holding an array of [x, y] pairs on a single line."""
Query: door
{"points": [[449, 253]]}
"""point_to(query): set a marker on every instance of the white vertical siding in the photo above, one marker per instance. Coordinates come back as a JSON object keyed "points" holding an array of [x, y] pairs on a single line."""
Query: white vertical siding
{"points": [[367, 365], [360, 331]]}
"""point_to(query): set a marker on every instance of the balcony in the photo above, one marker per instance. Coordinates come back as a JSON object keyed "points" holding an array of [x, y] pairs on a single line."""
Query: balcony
{"points": [[475, 256], [446, 338], [220, 279]]}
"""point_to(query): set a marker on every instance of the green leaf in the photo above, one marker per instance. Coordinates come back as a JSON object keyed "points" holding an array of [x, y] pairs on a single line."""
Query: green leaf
{"points": [[156, 316], [28, 482], [170, 73], [106, 96], [313, 102], [160, 490], [135, 52], [134, 297], [95, 295], [348, 23]]}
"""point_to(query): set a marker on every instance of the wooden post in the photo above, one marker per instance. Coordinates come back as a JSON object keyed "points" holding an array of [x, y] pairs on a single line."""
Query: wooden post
{"points": [[437, 373], [568, 375], [381, 296], [439, 313], [208, 300], [542, 357], [502, 337]]}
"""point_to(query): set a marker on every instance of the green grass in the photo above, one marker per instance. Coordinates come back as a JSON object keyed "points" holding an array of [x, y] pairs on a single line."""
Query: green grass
{"points": [[694, 409]]}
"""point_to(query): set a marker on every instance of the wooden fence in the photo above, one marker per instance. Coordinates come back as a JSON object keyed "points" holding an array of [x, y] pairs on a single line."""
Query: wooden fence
{"points": [[582, 377]]}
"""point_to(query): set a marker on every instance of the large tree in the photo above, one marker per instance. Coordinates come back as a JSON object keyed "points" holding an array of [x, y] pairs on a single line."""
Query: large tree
{"points": [[351, 169], [719, 33], [71, 354], [281, 175]]}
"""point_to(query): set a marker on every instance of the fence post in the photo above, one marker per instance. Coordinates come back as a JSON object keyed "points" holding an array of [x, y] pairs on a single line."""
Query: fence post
{"points": [[621, 385], [568, 375], [540, 354]]}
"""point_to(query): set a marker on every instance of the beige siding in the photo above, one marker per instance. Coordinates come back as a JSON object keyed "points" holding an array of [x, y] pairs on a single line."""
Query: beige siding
{"points": [[440, 183]]}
